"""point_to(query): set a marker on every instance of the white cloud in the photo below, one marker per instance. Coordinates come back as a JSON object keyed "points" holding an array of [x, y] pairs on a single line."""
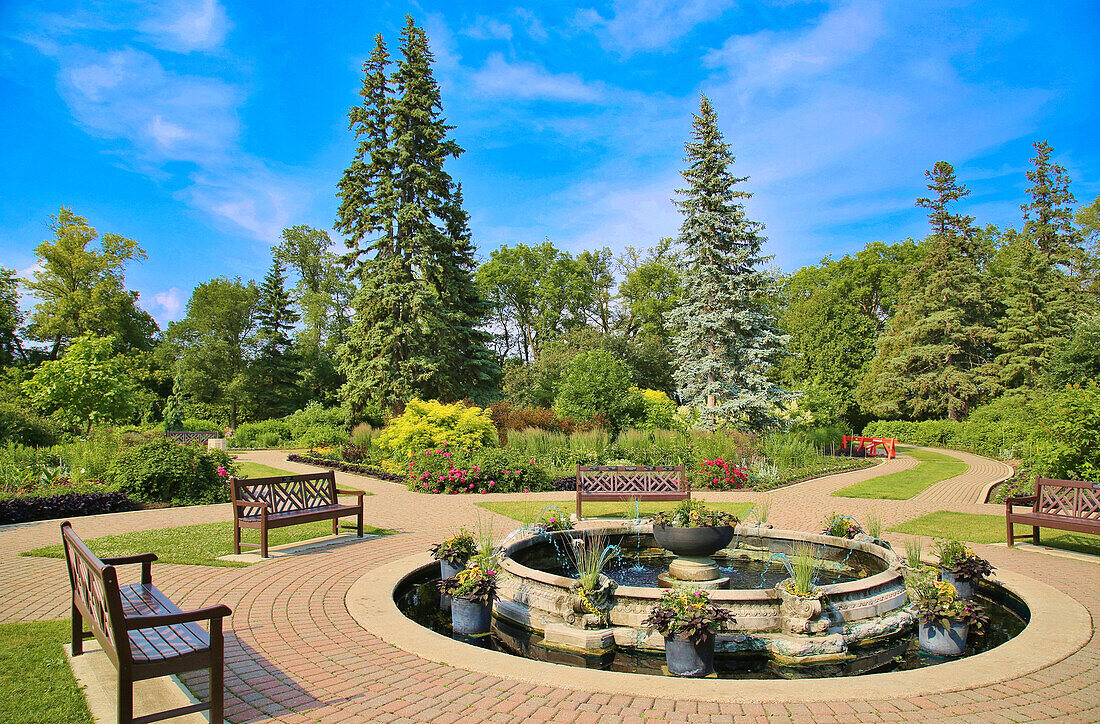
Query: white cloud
{"points": [[156, 117], [532, 24], [500, 78], [171, 301], [187, 25], [645, 25], [489, 29]]}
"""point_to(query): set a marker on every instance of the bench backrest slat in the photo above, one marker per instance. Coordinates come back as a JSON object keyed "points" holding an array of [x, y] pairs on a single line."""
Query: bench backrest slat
{"points": [[287, 493], [626, 479], [1069, 498], [96, 595]]}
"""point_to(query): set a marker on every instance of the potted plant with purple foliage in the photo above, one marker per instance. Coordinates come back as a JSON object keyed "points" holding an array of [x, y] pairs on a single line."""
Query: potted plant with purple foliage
{"points": [[841, 526], [961, 566], [689, 623], [945, 619], [454, 552], [472, 591]]}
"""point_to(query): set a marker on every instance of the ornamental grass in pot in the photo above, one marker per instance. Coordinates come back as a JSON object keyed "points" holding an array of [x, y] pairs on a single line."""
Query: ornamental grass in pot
{"points": [[472, 591], [960, 566], [689, 623], [592, 591], [946, 620]]}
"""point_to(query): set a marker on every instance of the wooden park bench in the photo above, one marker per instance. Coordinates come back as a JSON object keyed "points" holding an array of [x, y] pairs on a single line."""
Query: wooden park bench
{"points": [[143, 633], [267, 503], [631, 482], [191, 437], [1072, 505], [868, 446]]}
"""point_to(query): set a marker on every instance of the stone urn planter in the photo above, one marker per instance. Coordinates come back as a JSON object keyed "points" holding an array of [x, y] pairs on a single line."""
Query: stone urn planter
{"points": [[942, 640], [801, 614], [964, 588], [690, 659], [448, 569], [693, 542], [471, 616], [590, 609]]}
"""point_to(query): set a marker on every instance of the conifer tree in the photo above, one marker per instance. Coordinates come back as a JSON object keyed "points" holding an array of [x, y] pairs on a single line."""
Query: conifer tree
{"points": [[275, 374], [934, 359], [417, 308], [1048, 217], [728, 340]]}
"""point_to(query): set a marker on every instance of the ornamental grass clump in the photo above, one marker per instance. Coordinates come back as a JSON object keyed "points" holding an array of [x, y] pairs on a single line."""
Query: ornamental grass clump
{"points": [[804, 568], [693, 514], [590, 555], [456, 550], [937, 603], [963, 562], [687, 614], [914, 553], [476, 582]]}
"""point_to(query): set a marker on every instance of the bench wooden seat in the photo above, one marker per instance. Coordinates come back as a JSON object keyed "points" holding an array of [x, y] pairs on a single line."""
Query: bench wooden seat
{"points": [[142, 632], [1071, 505], [631, 482], [265, 503]]}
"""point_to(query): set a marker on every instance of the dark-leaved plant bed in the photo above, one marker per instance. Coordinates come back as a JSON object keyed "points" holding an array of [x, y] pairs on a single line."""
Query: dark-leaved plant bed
{"points": [[372, 470], [25, 510]]}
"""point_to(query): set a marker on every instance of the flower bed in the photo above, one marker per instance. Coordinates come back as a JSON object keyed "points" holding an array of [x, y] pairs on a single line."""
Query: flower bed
{"points": [[358, 468], [23, 510]]}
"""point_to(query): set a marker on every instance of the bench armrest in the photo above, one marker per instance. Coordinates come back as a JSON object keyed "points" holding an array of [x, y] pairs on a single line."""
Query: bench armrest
{"points": [[208, 613], [348, 491], [145, 559], [124, 560], [251, 504], [1020, 500]]}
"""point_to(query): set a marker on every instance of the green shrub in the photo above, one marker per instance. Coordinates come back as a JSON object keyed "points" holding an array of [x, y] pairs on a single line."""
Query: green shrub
{"points": [[21, 426], [658, 411], [312, 426], [596, 383], [788, 450], [161, 471], [488, 470], [433, 425]]}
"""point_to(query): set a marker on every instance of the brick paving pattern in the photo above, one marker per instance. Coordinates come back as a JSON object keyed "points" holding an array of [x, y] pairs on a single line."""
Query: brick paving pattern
{"points": [[294, 654]]}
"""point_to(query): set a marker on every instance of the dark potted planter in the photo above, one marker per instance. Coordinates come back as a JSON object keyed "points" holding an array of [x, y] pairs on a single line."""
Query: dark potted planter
{"points": [[471, 616], [693, 542], [690, 659], [942, 640]]}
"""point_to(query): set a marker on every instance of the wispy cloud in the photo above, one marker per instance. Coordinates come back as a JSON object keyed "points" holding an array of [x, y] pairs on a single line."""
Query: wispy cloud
{"points": [[488, 29], [646, 25], [156, 116], [528, 81], [170, 302]]}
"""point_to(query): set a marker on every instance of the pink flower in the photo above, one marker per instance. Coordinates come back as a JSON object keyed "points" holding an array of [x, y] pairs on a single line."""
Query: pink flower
{"points": [[222, 472], [492, 482]]}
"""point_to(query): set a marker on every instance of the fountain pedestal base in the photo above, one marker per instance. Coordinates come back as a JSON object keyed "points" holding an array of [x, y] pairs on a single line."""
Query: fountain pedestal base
{"points": [[697, 571], [664, 580]]}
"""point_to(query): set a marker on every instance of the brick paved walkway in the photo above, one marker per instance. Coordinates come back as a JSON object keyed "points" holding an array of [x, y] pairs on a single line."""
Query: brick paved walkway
{"points": [[295, 654]]}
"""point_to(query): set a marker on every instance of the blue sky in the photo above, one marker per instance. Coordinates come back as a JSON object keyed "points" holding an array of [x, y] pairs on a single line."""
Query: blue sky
{"points": [[201, 128]]}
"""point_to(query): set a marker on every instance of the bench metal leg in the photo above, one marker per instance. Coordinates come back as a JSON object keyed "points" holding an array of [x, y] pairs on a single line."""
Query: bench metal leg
{"points": [[125, 698], [335, 526], [78, 632]]}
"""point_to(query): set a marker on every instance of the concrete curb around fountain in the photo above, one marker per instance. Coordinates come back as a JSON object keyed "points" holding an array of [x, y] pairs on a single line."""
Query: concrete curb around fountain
{"points": [[1059, 626]]}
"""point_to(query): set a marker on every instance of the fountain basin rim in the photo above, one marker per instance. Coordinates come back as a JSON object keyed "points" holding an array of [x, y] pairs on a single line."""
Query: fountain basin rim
{"points": [[1059, 627], [892, 572]]}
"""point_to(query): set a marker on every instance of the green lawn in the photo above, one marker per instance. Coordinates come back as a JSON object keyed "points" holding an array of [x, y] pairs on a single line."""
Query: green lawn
{"points": [[250, 469], [991, 529], [198, 545], [528, 509], [932, 468], [36, 683]]}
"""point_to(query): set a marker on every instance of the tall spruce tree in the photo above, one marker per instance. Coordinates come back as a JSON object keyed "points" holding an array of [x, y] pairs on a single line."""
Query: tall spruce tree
{"points": [[934, 359], [728, 341], [417, 308], [275, 375]]}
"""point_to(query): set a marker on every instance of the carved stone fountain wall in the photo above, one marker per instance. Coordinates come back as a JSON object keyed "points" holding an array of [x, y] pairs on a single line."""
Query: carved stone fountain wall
{"points": [[766, 620]]}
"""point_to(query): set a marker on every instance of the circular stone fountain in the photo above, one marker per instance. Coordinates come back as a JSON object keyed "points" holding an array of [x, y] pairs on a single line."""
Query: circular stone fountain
{"points": [[866, 604]]}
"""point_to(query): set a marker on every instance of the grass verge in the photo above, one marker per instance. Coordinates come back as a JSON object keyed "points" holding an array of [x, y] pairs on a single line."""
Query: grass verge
{"points": [[36, 683], [250, 469], [525, 511], [978, 528], [933, 467], [197, 545]]}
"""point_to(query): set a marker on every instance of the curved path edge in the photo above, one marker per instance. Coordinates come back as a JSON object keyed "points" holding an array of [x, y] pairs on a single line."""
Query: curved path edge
{"points": [[1059, 627]]}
